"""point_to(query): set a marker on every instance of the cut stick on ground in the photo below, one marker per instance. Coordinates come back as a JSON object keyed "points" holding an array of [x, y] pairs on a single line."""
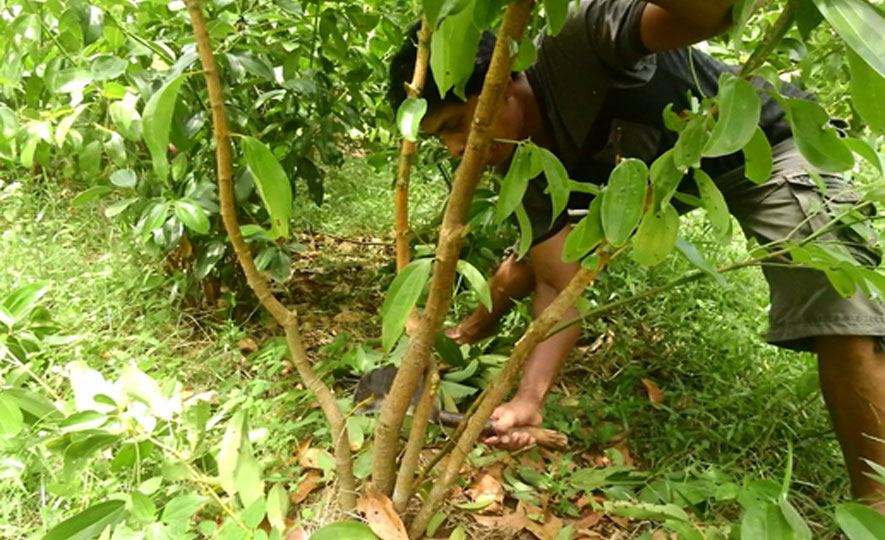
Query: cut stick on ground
{"points": [[286, 318], [451, 234]]}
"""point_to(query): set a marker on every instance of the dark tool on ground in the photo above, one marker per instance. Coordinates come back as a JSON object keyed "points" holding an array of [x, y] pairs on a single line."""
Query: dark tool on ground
{"points": [[373, 387]]}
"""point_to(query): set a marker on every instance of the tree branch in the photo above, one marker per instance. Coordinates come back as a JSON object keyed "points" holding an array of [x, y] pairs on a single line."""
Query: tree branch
{"points": [[536, 332], [451, 233], [287, 319], [407, 153]]}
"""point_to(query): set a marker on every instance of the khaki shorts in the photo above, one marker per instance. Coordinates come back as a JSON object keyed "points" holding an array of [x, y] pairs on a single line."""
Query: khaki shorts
{"points": [[803, 303]]}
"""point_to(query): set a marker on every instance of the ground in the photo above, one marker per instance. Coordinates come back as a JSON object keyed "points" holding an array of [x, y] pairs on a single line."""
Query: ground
{"points": [[672, 400]]}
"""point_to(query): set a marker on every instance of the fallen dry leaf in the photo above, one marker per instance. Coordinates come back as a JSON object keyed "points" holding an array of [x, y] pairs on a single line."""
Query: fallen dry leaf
{"points": [[662, 535], [312, 481], [621, 447], [486, 486], [310, 459], [512, 521], [621, 522], [589, 519], [296, 534], [382, 518], [654, 391], [247, 345], [548, 530]]}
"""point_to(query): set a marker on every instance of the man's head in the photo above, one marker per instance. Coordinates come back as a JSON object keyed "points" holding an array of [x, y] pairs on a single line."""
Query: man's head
{"points": [[449, 117]]}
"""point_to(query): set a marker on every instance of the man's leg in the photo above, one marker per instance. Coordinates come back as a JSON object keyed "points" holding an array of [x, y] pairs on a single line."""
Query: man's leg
{"points": [[514, 280], [852, 376]]}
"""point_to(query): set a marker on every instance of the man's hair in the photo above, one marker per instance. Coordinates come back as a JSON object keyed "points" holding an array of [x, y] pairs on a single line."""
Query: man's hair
{"points": [[402, 66]]}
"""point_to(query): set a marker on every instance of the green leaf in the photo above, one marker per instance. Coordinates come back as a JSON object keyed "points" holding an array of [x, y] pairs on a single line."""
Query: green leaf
{"points": [[156, 123], [126, 119], [523, 167], [33, 403], [192, 215], [860, 522], [867, 91], [351, 530], [253, 514], [143, 508], [434, 523], [623, 200], [865, 151], [758, 162], [740, 14], [807, 18], [765, 521], [525, 232], [480, 503], [586, 235], [656, 236], [71, 80], [819, 144], [795, 520], [230, 452], [691, 142], [61, 132], [557, 180], [22, 299], [409, 116], [860, 25], [401, 298], [89, 159], [557, 13], [665, 178], [249, 476], [277, 506], [452, 52], [181, 509], [272, 183], [116, 149], [739, 110], [714, 204], [11, 419], [526, 55], [88, 523], [124, 178], [477, 282], [107, 66], [140, 385]]}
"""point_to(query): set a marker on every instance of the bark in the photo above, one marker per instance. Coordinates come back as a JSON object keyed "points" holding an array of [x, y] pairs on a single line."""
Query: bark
{"points": [[451, 233], [536, 332], [286, 318], [407, 154], [406, 475]]}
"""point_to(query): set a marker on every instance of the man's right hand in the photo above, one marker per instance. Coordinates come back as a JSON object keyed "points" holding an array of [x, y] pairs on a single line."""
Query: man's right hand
{"points": [[508, 418]]}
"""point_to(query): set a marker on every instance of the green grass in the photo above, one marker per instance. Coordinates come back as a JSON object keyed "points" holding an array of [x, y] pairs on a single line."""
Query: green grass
{"points": [[732, 403]]}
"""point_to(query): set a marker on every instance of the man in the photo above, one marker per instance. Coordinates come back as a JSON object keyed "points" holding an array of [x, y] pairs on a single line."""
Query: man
{"points": [[596, 93]]}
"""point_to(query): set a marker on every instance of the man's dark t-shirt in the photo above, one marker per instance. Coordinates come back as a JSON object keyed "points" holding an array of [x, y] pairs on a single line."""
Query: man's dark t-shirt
{"points": [[602, 96]]}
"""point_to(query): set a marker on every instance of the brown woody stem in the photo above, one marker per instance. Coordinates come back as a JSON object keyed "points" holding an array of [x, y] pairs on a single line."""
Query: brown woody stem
{"points": [[406, 475], [407, 153], [286, 318], [536, 332], [451, 234]]}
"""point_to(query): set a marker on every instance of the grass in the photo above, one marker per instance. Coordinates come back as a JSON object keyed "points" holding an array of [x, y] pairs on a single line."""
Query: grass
{"points": [[732, 403]]}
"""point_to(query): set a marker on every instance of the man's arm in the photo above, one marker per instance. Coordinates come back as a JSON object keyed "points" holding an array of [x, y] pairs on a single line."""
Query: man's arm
{"points": [[551, 277], [672, 24]]}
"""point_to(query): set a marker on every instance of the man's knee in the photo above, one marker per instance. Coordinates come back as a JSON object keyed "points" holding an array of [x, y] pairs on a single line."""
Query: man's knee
{"points": [[515, 277]]}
